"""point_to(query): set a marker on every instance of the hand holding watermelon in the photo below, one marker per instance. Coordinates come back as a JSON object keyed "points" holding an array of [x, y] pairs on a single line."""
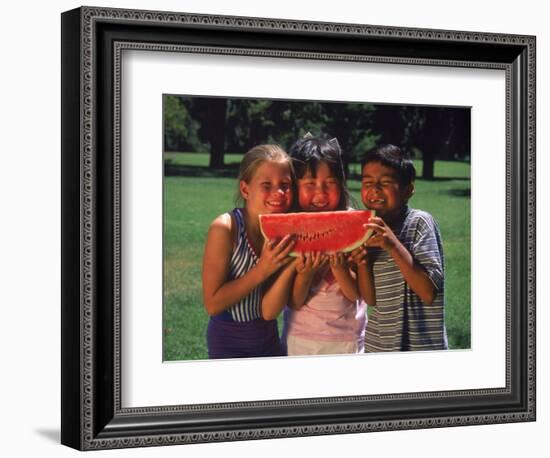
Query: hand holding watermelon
{"points": [[308, 263], [382, 237], [275, 255], [338, 262], [359, 256]]}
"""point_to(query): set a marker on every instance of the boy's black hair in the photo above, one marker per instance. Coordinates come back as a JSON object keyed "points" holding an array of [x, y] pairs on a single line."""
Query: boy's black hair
{"points": [[308, 152], [392, 156]]}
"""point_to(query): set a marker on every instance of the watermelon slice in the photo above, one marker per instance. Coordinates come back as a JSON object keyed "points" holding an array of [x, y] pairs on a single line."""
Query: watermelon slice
{"points": [[327, 232]]}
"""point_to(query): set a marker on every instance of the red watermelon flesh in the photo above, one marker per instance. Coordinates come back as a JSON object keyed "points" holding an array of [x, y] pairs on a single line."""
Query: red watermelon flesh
{"points": [[327, 232]]}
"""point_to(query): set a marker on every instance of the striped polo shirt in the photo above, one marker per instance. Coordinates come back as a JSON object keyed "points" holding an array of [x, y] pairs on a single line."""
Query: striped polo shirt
{"points": [[400, 321], [242, 260]]}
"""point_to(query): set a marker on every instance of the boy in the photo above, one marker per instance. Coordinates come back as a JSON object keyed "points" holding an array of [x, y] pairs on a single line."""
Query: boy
{"points": [[401, 274]]}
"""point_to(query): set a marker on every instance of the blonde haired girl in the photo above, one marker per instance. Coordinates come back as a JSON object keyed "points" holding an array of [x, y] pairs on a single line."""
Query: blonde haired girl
{"points": [[238, 264]]}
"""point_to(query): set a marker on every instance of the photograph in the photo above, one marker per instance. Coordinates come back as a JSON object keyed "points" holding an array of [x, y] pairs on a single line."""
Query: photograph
{"points": [[283, 228], [401, 283]]}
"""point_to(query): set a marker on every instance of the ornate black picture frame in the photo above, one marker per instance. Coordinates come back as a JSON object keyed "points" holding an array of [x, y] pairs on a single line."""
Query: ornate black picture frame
{"points": [[92, 42]]}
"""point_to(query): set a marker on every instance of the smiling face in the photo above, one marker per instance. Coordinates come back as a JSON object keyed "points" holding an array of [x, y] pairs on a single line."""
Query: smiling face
{"points": [[269, 190], [319, 193], [381, 190]]}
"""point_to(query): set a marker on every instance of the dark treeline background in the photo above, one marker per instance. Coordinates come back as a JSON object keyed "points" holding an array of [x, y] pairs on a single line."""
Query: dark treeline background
{"points": [[217, 125]]}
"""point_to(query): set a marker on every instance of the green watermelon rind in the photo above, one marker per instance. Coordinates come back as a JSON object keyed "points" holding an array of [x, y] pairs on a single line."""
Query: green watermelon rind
{"points": [[353, 246]]}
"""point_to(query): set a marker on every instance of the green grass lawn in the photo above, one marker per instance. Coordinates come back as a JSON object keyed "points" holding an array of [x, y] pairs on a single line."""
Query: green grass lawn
{"points": [[191, 203]]}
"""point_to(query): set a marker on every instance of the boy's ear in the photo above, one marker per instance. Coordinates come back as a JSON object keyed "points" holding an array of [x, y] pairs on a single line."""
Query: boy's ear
{"points": [[243, 187]]}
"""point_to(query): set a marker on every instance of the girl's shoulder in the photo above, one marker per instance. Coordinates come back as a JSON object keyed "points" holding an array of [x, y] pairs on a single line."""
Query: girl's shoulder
{"points": [[225, 220], [228, 219], [225, 225]]}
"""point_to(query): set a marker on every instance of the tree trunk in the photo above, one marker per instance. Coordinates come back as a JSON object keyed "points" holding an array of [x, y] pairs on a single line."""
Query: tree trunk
{"points": [[435, 134], [428, 162], [216, 132]]}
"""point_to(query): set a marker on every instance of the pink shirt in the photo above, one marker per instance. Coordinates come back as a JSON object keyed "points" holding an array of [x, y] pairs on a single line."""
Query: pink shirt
{"points": [[328, 315]]}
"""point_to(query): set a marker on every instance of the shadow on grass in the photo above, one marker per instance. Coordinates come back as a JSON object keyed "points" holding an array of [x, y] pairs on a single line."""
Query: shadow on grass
{"points": [[357, 176], [459, 340], [444, 179], [176, 170], [460, 192], [232, 170]]}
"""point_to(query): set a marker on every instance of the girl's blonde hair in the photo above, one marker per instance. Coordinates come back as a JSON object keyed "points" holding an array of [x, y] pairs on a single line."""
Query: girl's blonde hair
{"points": [[254, 158]]}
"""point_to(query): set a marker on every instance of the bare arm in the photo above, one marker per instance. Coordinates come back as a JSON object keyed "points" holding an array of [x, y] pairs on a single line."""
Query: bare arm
{"points": [[218, 293], [341, 272], [365, 275], [277, 294], [413, 273], [300, 290], [306, 267]]}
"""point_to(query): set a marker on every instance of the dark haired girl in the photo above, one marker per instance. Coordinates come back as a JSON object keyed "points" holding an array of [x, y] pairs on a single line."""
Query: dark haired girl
{"points": [[326, 314]]}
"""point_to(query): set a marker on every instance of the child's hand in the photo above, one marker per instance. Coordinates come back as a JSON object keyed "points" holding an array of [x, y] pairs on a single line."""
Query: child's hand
{"points": [[383, 236], [275, 255], [359, 256], [338, 262], [309, 263]]}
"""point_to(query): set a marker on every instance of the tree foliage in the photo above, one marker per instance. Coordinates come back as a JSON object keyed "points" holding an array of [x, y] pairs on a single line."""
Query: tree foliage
{"points": [[180, 127], [220, 125]]}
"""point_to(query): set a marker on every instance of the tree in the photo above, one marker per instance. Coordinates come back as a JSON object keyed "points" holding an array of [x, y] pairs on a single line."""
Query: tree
{"points": [[221, 124], [215, 130], [180, 129], [351, 124], [210, 113], [436, 132], [445, 135]]}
